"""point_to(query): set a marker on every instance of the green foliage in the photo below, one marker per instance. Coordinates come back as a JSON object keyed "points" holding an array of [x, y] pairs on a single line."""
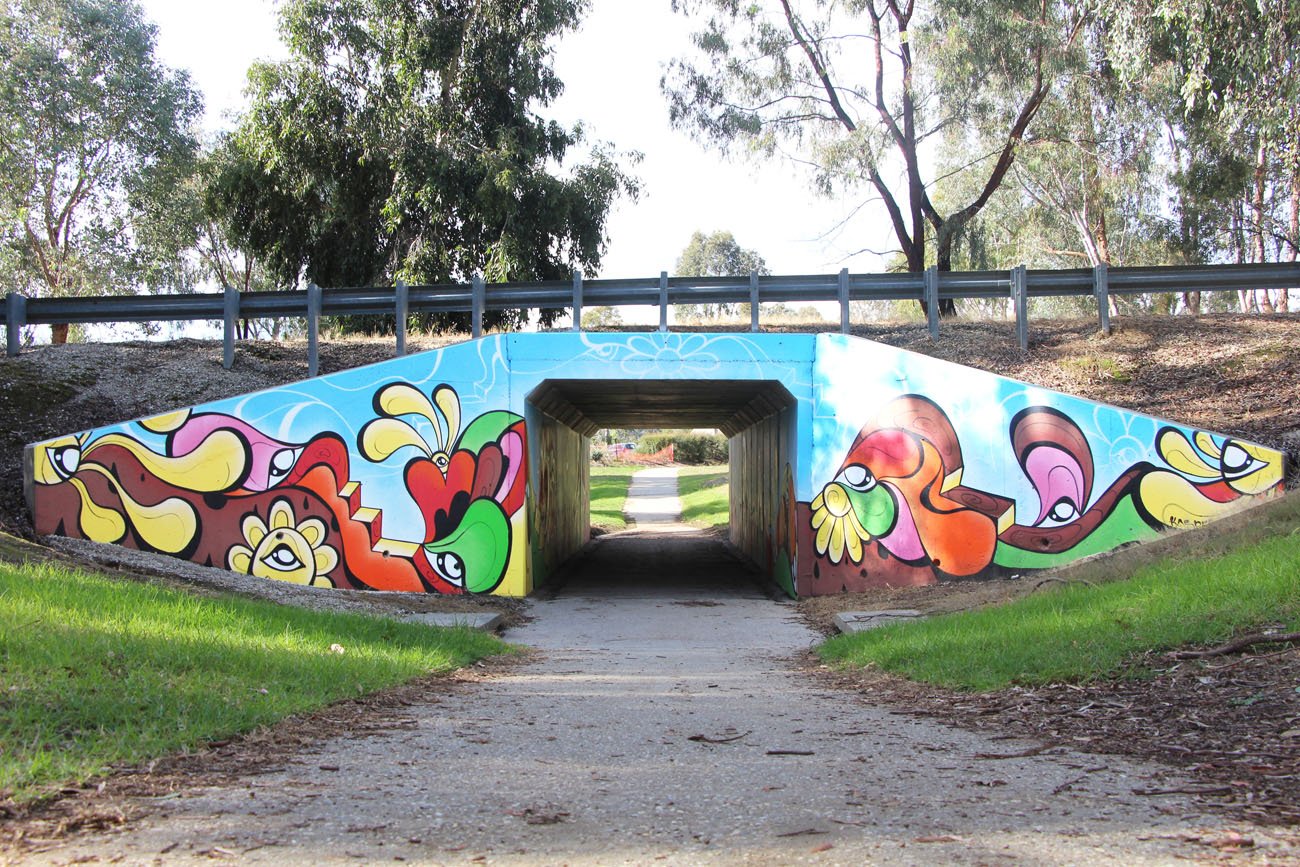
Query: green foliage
{"points": [[609, 486], [1232, 74], [100, 673], [1235, 57], [601, 317], [96, 138], [705, 497], [402, 141], [716, 255], [688, 448], [1082, 632]]}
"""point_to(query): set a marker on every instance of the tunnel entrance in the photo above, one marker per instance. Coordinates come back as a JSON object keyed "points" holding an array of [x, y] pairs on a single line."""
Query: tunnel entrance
{"points": [[758, 418]]}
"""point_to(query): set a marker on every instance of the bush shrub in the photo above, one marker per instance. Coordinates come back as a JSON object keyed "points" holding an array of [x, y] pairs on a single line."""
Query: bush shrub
{"points": [[689, 448]]}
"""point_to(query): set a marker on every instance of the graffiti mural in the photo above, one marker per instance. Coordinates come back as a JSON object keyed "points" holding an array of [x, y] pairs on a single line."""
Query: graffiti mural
{"points": [[438, 472], [216, 489], [906, 506]]}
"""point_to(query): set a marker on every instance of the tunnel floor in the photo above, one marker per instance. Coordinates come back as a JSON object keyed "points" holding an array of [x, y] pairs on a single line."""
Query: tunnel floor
{"points": [[689, 565], [660, 557]]}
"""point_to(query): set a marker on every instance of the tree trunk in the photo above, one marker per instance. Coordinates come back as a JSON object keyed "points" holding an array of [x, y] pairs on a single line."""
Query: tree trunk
{"points": [[1293, 235], [1257, 206], [1245, 298], [59, 333], [943, 257]]}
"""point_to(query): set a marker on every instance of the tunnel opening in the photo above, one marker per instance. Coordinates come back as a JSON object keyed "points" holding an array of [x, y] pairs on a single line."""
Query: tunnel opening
{"points": [[758, 418]]}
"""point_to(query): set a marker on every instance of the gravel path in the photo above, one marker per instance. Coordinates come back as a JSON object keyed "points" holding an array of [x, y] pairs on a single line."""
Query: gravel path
{"points": [[665, 718]]}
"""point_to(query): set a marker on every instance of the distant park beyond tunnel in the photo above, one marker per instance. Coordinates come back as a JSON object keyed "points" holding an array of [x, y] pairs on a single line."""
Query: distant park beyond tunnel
{"points": [[464, 469]]}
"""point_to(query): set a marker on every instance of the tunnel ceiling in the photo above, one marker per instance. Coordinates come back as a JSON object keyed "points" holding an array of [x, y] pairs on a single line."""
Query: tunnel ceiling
{"points": [[588, 405]]}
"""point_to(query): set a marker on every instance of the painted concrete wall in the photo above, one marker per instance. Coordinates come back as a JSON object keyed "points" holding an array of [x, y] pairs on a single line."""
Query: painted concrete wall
{"points": [[762, 502], [406, 475], [561, 511], [429, 473], [927, 471]]}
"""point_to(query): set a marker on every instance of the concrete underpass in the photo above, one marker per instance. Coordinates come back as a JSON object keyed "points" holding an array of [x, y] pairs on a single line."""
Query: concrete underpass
{"points": [[854, 465], [757, 416]]}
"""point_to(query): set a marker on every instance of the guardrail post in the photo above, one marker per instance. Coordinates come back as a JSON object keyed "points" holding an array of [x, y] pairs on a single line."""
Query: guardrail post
{"points": [[663, 300], [1020, 299], [753, 301], [1101, 289], [477, 299], [15, 319], [844, 300], [314, 298], [577, 300], [932, 300], [230, 313], [401, 309]]}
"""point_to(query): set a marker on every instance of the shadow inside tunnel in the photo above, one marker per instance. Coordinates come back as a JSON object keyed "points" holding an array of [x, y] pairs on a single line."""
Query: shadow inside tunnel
{"points": [[670, 561]]}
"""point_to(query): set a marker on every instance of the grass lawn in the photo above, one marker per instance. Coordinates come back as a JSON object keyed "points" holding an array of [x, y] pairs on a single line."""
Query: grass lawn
{"points": [[1079, 632], [96, 672], [704, 495], [608, 494]]}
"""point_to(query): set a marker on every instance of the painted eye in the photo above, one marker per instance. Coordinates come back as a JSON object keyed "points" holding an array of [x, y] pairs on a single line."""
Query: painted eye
{"points": [[442, 461], [64, 459], [858, 477], [451, 566], [282, 558], [283, 461], [1236, 461], [1063, 511]]}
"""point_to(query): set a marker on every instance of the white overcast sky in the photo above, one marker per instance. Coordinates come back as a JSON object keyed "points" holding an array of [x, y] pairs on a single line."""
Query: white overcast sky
{"points": [[611, 69]]}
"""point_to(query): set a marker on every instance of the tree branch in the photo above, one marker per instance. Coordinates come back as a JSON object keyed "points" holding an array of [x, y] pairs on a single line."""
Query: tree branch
{"points": [[822, 73]]}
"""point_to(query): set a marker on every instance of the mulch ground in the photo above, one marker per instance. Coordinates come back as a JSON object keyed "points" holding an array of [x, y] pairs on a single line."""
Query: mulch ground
{"points": [[1232, 723]]}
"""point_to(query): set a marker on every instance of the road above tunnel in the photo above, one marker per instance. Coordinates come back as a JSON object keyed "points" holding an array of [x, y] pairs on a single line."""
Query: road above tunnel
{"points": [[667, 715]]}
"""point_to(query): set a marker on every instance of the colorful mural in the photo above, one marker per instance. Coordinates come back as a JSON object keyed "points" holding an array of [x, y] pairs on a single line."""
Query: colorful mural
{"points": [[1053, 478], [436, 473], [213, 488]]}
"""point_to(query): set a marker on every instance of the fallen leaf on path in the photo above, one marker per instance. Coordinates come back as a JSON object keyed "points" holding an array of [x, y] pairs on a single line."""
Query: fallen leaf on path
{"points": [[937, 838], [1023, 754], [705, 739], [1231, 840]]}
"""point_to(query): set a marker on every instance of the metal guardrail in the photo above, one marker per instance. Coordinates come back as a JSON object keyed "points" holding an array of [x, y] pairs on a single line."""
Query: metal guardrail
{"points": [[932, 286]]}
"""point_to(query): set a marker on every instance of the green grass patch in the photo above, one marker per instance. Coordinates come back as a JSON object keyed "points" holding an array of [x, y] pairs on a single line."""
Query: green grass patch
{"points": [[704, 495], [608, 495], [96, 673], [1097, 367], [1079, 632]]}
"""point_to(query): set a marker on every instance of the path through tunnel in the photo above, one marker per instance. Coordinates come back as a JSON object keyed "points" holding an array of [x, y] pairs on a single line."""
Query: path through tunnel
{"points": [[758, 418]]}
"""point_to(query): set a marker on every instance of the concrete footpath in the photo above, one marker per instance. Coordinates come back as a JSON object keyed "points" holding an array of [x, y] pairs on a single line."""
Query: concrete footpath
{"points": [[652, 501], [665, 719]]}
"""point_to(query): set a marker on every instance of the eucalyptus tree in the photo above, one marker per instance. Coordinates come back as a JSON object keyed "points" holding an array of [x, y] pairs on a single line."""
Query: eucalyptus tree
{"points": [[716, 255], [1238, 77], [403, 141], [93, 131], [862, 90]]}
